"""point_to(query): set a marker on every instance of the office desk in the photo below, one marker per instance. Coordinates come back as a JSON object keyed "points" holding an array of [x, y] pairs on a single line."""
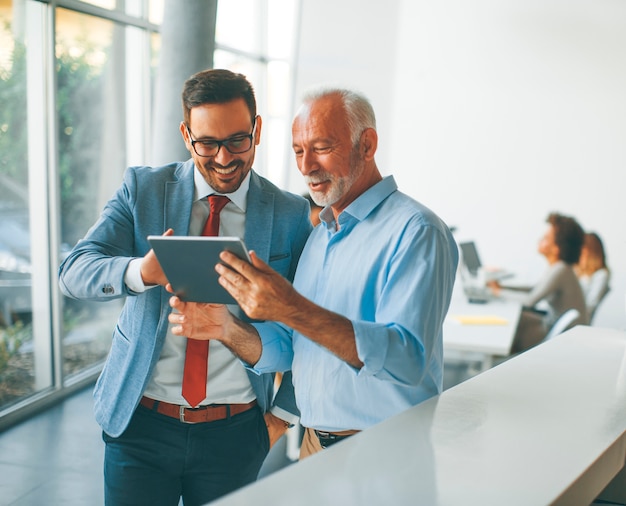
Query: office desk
{"points": [[490, 339], [546, 427]]}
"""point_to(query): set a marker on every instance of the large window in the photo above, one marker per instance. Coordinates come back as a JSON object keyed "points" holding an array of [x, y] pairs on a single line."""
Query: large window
{"points": [[70, 122], [76, 98], [90, 55], [261, 45], [16, 322]]}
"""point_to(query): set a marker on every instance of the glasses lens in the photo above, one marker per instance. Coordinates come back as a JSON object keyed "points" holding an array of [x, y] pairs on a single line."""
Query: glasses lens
{"points": [[238, 144], [206, 148]]}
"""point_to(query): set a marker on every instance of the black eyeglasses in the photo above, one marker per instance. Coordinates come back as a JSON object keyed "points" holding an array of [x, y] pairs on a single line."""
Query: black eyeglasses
{"points": [[211, 147]]}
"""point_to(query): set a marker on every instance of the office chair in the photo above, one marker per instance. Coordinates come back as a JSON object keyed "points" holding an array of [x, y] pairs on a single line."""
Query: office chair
{"points": [[593, 310], [562, 324]]}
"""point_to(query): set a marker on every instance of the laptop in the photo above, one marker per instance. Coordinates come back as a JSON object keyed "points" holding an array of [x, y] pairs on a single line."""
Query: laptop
{"points": [[471, 260]]}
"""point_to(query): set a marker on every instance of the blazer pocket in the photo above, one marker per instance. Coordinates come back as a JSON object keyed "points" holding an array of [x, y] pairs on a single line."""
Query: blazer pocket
{"points": [[281, 263], [118, 335]]}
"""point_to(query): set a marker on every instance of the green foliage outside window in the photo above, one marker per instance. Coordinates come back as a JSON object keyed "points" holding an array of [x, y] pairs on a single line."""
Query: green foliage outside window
{"points": [[80, 133], [78, 99], [13, 132], [11, 339]]}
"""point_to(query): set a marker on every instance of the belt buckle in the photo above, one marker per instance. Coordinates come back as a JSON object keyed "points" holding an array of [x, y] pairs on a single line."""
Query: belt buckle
{"points": [[181, 415], [325, 439]]}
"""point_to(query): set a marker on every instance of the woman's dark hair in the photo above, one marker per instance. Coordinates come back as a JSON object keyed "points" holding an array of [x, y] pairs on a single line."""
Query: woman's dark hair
{"points": [[568, 236], [217, 86]]}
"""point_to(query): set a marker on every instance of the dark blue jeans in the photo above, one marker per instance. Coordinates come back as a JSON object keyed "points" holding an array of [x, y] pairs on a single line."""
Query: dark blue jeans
{"points": [[159, 459]]}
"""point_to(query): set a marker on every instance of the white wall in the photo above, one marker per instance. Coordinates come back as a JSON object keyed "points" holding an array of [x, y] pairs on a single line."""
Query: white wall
{"points": [[492, 113], [348, 43]]}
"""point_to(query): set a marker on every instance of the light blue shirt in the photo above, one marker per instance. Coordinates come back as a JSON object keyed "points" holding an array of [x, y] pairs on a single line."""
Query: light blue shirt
{"points": [[389, 268]]}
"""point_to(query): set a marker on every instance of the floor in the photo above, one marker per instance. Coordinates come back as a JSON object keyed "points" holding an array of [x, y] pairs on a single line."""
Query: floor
{"points": [[55, 458]]}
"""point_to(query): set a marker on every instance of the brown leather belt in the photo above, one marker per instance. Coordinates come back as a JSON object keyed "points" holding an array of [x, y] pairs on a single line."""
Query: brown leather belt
{"points": [[202, 414]]}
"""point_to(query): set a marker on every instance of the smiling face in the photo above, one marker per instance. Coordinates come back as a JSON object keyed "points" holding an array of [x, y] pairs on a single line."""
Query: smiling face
{"points": [[335, 170], [225, 171]]}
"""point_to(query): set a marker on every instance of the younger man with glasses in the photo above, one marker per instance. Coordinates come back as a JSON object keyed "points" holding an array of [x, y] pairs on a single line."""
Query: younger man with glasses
{"points": [[159, 444]]}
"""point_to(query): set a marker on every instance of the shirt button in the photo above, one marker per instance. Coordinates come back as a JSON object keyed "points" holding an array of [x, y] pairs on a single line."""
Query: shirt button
{"points": [[108, 290]]}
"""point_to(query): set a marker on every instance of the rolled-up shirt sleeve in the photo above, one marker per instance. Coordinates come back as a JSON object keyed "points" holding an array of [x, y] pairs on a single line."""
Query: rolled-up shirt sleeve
{"points": [[410, 311], [277, 353]]}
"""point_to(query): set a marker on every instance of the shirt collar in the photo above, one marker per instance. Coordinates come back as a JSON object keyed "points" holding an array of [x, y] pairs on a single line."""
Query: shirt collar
{"points": [[364, 204], [203, 190]]}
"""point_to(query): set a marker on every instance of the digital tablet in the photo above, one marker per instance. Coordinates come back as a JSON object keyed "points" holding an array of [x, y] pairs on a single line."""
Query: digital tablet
{"points": [[189, 265]]}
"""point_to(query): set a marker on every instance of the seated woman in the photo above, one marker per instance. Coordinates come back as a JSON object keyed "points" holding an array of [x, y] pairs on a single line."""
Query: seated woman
{"points": [[559, 288], [592, 272]]}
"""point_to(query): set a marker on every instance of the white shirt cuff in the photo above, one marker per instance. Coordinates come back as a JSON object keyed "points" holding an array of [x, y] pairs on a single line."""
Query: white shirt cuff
{"points": [[284, 415], [132, 277]]}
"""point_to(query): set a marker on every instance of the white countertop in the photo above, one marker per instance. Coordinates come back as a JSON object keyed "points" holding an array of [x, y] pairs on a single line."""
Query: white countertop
{"points": [[546, 427]]}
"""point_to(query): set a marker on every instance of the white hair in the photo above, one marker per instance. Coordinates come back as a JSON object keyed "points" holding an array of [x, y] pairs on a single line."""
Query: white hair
{"points": [[359, 111]]}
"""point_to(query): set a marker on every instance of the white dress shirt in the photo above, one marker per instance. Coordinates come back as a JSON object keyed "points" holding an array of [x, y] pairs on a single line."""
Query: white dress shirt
{"points": [[227, 380]]}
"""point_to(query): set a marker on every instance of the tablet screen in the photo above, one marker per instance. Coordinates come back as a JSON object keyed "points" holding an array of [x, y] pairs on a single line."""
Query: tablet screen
{"points": [[189, 265]]}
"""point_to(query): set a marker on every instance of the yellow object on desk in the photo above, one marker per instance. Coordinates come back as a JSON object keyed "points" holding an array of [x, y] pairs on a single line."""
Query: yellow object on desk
{"points": [[480, 320]]}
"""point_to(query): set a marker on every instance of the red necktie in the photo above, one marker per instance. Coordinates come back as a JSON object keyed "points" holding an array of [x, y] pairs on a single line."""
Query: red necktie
{"points": [[197, 354]]}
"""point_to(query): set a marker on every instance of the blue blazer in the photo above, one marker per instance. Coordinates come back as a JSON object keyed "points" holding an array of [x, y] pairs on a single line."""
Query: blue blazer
{"points": [[149, 201]]}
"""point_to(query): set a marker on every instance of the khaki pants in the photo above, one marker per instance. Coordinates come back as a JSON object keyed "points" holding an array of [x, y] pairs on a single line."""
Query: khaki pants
{"points": [[310, 443]]}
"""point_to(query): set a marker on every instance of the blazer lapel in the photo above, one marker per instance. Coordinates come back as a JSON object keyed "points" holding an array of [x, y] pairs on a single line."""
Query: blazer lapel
{"points": [[178, 199], [259, 218]]}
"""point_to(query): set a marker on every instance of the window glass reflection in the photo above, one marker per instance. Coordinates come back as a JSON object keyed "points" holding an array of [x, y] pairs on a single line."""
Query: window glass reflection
{"points": [[280, 28], [155, 12], [105, 4], [92, 155], [16, 334], [241, 31]]}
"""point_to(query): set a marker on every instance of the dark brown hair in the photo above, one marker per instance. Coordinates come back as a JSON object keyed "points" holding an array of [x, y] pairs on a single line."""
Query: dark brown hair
{"points": [[568, 236], [217, 86]]}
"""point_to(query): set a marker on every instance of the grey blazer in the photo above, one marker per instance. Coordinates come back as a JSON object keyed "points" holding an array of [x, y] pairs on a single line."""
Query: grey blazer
{"points": [[149, 201]]}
